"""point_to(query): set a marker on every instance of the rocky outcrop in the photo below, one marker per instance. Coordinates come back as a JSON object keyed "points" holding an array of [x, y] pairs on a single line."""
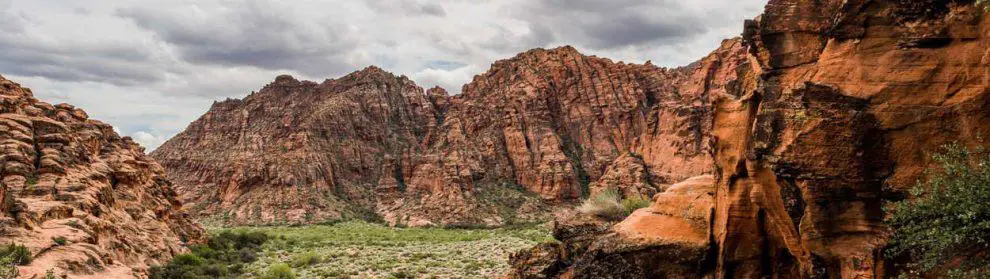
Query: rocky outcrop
{"points": [[669, 239], [540, 128], [853, 96], [835, 110], [85, 201]]}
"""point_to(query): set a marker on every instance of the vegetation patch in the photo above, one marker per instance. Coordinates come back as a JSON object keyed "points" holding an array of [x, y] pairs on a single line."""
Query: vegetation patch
{"points": [[11, 256], [944, 230], [358, 249], [609, 204], [223, 256]]}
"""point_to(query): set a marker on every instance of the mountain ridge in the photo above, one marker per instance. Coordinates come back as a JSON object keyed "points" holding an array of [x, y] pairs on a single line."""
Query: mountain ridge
{"points": [[424, 134]]}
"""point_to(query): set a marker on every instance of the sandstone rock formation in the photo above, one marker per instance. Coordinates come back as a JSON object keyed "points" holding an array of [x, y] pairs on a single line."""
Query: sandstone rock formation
{"points": [[86, 202], [669, 239], [537, 129], [853, 97], [835, 110]]}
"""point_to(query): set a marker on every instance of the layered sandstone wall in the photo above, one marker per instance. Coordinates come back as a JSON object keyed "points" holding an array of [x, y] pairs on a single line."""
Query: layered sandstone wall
{"points": [[69, 177]]}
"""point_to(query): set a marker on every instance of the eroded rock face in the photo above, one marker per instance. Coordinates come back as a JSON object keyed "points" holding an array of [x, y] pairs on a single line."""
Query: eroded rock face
{"points": [[69, 177], [853, 98], [669, 239], [546, 122]]}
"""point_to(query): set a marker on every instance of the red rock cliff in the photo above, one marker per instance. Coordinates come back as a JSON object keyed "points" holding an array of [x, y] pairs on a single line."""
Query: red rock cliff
{"points": [[852, 98], [549, 122], [69, 177]]}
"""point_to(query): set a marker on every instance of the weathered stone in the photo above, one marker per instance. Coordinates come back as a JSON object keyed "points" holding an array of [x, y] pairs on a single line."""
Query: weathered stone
{"points": [[548, 121], [103, 236]]}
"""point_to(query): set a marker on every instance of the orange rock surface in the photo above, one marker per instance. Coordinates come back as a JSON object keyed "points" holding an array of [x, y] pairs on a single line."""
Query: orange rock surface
{"points": [[69, 177], [852, 99]]}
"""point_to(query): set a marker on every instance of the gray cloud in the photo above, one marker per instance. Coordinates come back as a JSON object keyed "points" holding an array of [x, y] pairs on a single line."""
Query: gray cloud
{"points": [[612, 24], [28, 52], [150, 68], [407, 7], [255, 33]]}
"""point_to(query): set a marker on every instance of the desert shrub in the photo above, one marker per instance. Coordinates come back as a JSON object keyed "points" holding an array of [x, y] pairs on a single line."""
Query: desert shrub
{"points": [[604, 204], [948, 217], [223, 256], [8, 268], [60, 240], [16, 254], [610, 205], [632, 203], [306, 259], [279, 271]]}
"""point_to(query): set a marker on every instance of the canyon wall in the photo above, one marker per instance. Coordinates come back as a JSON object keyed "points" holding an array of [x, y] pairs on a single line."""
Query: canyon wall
{"points": [[854, 97], [837, 111], [84, 201]]}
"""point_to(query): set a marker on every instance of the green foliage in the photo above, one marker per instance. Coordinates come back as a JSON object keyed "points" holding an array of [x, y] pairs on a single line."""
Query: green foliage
{"points": [[948, 218], [306, 259], [635, 202], [60, 240], [16, 254], [50, 274], [8, 268], [31, 179], [279, 271], [356, 249], [609, 204], [223, 256]]}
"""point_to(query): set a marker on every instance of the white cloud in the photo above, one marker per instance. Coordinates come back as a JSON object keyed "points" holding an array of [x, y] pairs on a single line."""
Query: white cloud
{"points": [[147, 139], [150, 68]]}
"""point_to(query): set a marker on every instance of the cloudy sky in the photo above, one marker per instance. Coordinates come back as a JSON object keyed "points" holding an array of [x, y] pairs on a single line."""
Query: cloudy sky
{"points": [[151, 67]]}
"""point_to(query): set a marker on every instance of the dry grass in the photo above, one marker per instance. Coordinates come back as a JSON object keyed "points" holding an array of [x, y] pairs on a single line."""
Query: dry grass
{"points": [[609, 204]]}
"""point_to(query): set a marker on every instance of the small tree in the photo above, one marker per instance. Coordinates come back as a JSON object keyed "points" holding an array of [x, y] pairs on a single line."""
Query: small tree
{"points": [[948, 218]]}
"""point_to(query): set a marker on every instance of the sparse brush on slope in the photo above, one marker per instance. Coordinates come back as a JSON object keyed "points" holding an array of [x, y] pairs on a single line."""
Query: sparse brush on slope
{"points": [[948, 219]]}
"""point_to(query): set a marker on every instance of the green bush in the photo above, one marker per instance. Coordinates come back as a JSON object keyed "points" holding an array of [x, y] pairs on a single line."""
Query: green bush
{"points": [[223, 256], [8, 268], [948, 217], [635, 202], [610, 205], [60, 240], [306, 259], [279, 271], [16, 254]]}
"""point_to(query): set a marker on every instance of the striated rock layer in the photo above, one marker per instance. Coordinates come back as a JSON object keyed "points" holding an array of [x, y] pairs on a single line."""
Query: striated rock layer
{"points": [[544, 127], [83, 200]]}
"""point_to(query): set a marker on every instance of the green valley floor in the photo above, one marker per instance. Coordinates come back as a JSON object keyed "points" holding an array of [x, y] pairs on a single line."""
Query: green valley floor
{"points": [[365, 250]]}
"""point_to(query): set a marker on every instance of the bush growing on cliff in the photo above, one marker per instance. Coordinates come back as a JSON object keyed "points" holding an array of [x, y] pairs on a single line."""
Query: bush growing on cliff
{"points": [[609, 204], [604, 204], [16, 254], [630, 204], [949, 217], [223, 256]]}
